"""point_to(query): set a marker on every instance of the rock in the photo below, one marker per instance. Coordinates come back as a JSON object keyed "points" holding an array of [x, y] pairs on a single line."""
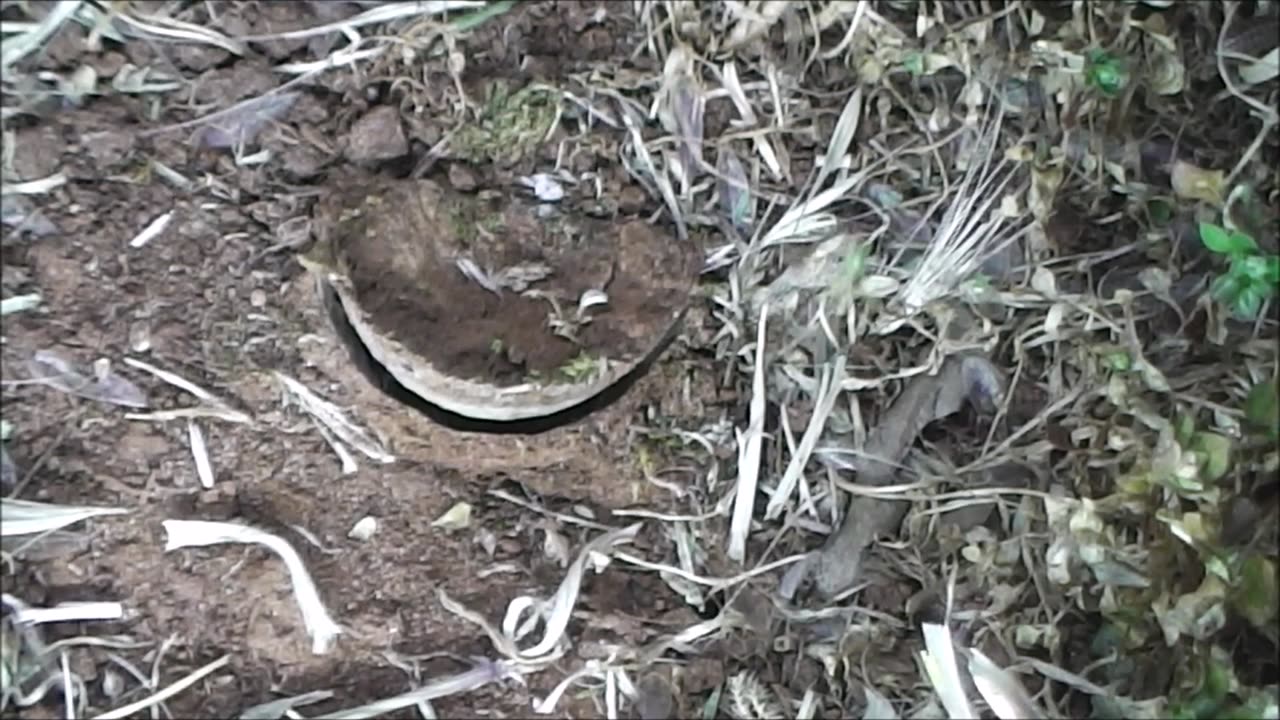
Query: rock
{"points": [[462, 178], [379, 135], [109, 150]]}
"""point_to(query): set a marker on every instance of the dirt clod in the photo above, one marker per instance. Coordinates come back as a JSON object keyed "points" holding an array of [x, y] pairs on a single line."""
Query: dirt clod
{"points": [[377, 135]]}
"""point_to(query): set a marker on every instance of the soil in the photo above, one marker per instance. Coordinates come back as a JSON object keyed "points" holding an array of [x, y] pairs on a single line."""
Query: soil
{"points": [[400, 245], [218, 298]]}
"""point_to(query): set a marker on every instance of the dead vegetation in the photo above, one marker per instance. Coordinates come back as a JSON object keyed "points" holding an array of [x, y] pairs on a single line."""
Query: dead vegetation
{"points": [[992, 283]]}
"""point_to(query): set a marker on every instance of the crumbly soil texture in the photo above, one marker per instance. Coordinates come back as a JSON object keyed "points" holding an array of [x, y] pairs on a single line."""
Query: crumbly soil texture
{"points": [[519, 315], [217, 296]]}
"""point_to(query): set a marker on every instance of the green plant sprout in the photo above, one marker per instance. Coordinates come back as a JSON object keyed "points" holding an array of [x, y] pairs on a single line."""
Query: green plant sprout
{"points": [[1105, 72], [1251, 277]]}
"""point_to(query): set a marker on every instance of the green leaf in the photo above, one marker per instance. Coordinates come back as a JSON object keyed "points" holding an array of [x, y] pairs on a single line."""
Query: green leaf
{"points": [[1215, 237], [1184, 427], [1255, 267], [1255, 595], [1161, 211], [1241, 244], [1262, 408], [1271, 270], [1220, 240], [1105, 72], [1118, 360], [1215, 454], [1248, 301], [1226, 287], [914, 63]]}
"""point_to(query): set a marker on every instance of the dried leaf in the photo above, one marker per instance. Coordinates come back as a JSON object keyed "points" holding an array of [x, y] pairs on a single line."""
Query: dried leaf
{"points": [[48, 368], [1255, 595], [239, 126], [455, 518], [654, 698], [1194, 183], [1263, 70]]}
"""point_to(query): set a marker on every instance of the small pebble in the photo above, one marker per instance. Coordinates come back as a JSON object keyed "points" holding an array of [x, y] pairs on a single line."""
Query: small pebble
{"points": [[462, 178], [631, 199], [140, 337], [258, 298], [364, 528]]}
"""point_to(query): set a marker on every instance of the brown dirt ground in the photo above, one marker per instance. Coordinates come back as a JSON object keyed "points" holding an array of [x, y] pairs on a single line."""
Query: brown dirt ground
{"points": [[224, 306]]}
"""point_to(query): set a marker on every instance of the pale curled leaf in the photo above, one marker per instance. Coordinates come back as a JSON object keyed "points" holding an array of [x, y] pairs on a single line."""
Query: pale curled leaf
{"points": [[48, 368], [1264, 69], [199, 533], [556, 612], [455, 518], [241, 124]]}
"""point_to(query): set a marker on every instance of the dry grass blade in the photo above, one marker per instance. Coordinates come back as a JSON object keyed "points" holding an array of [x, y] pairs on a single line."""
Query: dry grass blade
{"points": [[157, 698], [276, 709], [878, 706], [807, 220], [483, 674], [944, 672], [754, 20], [184, 384], [750, 445], [16, 48], [1004, 694], [659, 178], [38, 186], [175, 30], [377, 15], [841, 137], [828, 393], [328, 415], [204, 468], [733, 87], [85, 611], [969, 231], [27, 517]]}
